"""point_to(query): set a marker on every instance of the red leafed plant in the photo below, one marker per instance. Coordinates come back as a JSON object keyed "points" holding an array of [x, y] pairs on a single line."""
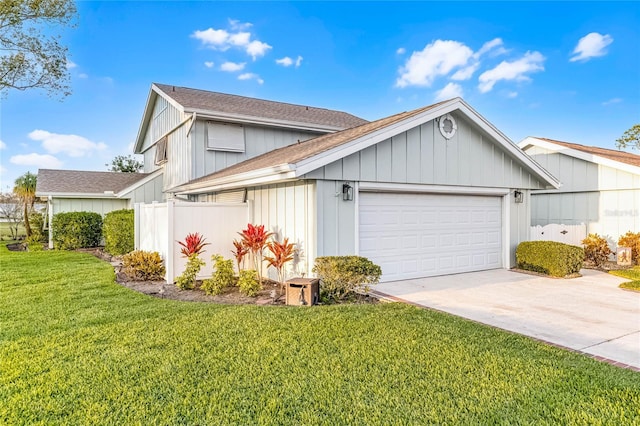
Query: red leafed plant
{"points": [[281, 254], [239, 253], [254, 239], [193, 244]]}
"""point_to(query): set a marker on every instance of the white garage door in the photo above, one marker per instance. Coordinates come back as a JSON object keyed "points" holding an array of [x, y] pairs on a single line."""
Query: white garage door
{"points": [[423, 235]]}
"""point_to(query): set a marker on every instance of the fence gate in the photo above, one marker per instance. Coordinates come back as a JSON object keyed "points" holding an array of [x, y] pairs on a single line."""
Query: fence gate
{"points": [[568, 234]]}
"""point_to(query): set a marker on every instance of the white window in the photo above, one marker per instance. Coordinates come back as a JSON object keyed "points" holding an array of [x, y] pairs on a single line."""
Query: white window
{"points": [[225, 137], [161, 151]]}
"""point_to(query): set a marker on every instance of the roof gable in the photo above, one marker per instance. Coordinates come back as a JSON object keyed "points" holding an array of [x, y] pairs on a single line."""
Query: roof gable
{"points": [[242, 109], [609, 157], [294, 161], [84, 183]]}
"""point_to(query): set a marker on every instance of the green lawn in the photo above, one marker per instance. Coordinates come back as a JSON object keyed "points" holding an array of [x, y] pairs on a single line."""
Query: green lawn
{"points": [[633, 274], [76, 348]]}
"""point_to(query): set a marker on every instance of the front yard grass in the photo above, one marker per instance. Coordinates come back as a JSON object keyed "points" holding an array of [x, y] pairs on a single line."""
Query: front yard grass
{"points": [[633, 274], [77, 348]]}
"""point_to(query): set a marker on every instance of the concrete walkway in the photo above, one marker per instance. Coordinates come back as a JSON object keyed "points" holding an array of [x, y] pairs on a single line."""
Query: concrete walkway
{"points": [[588, 314]]}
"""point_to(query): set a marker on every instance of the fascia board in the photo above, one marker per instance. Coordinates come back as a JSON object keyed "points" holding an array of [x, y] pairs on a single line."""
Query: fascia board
{"points": [[315, 162], [581, 155], [245, 119], [278, 172], [241, 183]]}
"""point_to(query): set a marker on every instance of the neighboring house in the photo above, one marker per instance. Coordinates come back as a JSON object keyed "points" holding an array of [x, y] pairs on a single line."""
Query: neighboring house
{"points": [[189, 133], [600, 187], [100, 192], [433, 191]]}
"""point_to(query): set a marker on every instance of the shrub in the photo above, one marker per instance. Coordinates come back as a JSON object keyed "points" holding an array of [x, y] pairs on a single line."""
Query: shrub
{"points": [[596, 249], [193, 244], [187, 280], [632, 240], [222, 277], [549, 257], [118, 232], [281, 253], [143, 265], [254, 239], [36, 220], [343, 275], [248, 283], [75, 230]]}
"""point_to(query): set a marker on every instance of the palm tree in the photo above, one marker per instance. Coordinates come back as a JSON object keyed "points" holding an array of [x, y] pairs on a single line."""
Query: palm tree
{"points": [[25, 189]]}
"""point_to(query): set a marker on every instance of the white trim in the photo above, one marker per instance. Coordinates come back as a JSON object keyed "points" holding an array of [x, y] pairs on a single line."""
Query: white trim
{"points": [[356, 202], [454, 126], [260, 176], [592, 158], [106, 195], [506, 231], [433, 189]]}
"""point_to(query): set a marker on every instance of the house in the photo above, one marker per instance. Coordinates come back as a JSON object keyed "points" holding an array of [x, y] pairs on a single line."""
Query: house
{"points": [[99, 192], [434, 191], [600, 187]]}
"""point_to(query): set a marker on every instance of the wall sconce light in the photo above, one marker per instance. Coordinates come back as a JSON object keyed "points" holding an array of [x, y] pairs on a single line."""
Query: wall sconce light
{"points": [[519, 197], [347, 192]]}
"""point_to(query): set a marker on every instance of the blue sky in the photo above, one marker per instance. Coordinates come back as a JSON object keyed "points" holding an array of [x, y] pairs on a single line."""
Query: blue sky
{"points": [[562, 70]]}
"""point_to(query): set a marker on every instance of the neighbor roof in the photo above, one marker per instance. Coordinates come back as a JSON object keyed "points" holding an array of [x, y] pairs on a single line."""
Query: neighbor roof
{"points": [[69, 182], [204, 101], [300, 158], [611, 154]]}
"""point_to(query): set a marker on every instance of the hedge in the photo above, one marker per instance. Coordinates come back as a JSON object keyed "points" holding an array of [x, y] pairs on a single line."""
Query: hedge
{"points": [[549, 257], [75, 230], [118, 232]]}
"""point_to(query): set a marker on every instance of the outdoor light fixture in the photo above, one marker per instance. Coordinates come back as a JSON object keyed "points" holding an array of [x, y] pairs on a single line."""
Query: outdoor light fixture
{"points": [[518, 196], [347, 192]]}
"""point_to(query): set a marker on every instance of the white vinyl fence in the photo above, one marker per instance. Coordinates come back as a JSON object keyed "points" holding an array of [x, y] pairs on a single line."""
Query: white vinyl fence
{"points": [[159, 227], [568, 234]]}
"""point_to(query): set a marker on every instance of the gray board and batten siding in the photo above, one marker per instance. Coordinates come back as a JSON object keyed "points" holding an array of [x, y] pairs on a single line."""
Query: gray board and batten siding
{"points": [[606, 199]]}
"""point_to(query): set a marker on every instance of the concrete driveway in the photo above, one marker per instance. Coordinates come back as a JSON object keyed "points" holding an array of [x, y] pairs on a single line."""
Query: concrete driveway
{"points": [[588, 314]]}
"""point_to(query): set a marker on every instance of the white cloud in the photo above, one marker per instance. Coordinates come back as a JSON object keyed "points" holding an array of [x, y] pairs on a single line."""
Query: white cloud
{"points": [[223, 39], [512, 95], [612, 101], [72, 145], [591, 46], [237, 25], [44, 161], [401, 51], [83, 75], [436, 59], [209, 64], [2, 145], [71, 64], [250, 76], [451, 90], [495, 47], [515, 70], [3, 169], [232, 66], [257, 48], [466, 72], [285, 62]]}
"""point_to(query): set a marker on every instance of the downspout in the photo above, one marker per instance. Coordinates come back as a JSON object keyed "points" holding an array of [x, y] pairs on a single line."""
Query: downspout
{"points": [[50, 215]]}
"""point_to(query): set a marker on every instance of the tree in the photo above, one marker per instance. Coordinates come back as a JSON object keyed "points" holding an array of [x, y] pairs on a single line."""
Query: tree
{"points": [[630, 138], [125, 164], [25, 190], [28, 58], [11, 211]]}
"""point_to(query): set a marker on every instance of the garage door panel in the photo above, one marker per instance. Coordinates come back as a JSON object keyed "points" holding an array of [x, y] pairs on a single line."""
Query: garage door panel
{"points": [[419, 235]]}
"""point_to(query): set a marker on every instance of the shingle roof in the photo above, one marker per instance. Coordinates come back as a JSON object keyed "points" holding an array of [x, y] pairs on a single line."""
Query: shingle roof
{"points": [[611, 154], [83, 182], [195, 99], [297, 152]]}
